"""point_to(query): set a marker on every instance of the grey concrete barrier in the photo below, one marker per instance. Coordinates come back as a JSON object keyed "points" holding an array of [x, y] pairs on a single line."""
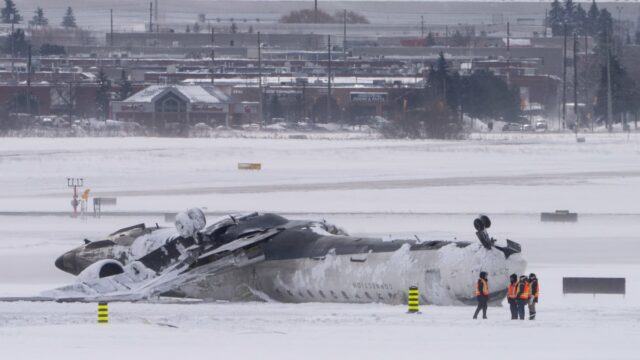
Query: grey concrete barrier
{"points": [[559, 216], [593, 285]]}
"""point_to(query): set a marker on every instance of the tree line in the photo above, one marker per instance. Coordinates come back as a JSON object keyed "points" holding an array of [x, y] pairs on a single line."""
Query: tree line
{"points": [[569, 19], [436, 111], [573, 18], [10, 14]]}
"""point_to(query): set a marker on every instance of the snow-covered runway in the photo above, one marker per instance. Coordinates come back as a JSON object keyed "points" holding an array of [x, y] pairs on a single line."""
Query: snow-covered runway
{"points": [[431, 189], [580, 329]]}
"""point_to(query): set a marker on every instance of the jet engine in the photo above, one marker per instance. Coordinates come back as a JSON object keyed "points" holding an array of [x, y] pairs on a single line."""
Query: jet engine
{"points": [[101, 269]]}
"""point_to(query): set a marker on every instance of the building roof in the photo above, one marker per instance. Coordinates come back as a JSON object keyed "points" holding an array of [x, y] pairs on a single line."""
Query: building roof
{"points": [[191, 93]]}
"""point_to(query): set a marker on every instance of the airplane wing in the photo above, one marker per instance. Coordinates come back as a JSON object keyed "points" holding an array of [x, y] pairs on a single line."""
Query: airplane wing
{"points": [[145, 279]]}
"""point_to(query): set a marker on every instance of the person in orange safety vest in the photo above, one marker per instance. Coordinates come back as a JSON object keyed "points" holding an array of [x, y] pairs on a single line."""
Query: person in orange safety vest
{"points": [[482, 294], [511, 296], [522, 295]]}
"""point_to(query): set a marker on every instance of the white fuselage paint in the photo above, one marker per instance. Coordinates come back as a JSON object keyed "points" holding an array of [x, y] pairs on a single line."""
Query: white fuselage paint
{"points": [[444, 276]]}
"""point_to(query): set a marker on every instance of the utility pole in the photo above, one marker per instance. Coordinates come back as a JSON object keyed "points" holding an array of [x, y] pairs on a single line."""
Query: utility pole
{"points": [[564, 77], [213, 54], [575, 79], [260, 80], [315, 11], [446, 35], [329, 80], [609, 96], [304, 99], [422, 26], [156, 13], [29, 80], [546, 21], [587, 100], [344, 41], [111, 13], [151, 16], [13, 37], [508, 40], [70, 102]]}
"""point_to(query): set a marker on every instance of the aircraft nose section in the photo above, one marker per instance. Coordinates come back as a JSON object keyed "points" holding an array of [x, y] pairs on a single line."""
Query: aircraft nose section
{"points": [[66, 262], [60, 262]]}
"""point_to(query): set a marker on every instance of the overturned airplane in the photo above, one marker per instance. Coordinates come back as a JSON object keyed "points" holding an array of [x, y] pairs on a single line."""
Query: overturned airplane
{"points": [[268, 257]]}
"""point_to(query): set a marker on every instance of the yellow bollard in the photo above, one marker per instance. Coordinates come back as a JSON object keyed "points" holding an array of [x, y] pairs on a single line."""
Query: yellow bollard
{"points": [[414, 302], [103, 313]]}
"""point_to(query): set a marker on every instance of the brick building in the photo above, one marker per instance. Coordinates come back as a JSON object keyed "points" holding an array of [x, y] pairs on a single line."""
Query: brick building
{"points": [[159, 106]]}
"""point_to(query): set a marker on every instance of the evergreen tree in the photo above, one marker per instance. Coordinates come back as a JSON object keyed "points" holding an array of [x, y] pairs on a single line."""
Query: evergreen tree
{"points": [[233, 28], [604, 34], [196, 28], [624, 92], [570, 16], [38, 18], [580, 20], [556, 18], [103, 94], [18, 42], [125, 86], [429, 41], [438, 76], [69, 20], [10, 13], [592, 19], [486, 96]]}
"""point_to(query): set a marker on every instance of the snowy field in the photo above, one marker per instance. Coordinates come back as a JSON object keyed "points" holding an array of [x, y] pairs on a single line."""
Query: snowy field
{"points": [[432, 189]]}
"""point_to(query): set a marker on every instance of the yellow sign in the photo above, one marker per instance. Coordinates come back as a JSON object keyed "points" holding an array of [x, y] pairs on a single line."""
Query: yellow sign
{"points": [[85, 195], [249, 166]]}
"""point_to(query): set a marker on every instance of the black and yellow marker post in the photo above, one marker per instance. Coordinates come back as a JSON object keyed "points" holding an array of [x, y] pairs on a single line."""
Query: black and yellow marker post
{"points": [[413, 300], [103, 313]]}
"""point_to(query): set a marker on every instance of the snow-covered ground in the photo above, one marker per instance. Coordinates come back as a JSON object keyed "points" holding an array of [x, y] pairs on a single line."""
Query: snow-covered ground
{"points": [[431, 189]]}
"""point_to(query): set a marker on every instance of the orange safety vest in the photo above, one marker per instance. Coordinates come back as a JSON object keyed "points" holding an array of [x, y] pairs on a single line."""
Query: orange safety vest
{"points": [[525, 292], [512, 291], [485, 287]]}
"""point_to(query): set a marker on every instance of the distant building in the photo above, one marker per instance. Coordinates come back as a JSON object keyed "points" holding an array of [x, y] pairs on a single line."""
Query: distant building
{"points": [[160, 106]]}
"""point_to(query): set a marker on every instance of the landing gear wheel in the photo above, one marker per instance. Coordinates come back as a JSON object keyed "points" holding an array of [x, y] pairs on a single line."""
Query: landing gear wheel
{"points": [[478, 224], [486, 221]]}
